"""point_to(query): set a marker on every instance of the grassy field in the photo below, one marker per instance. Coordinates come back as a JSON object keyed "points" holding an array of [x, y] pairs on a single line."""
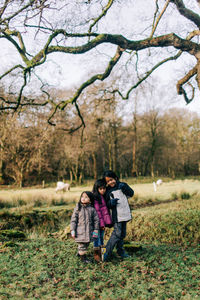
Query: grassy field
{"points": [[49, 269], [144, 193], [165, 226]]}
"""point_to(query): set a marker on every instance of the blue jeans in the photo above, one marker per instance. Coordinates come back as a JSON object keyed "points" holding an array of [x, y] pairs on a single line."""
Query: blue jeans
{"points": [[117, 239], [99, 241]]}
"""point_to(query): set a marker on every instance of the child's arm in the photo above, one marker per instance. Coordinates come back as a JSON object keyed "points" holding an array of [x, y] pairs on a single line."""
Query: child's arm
{"points": [[74, 222], [96, 220], [126, 189]]}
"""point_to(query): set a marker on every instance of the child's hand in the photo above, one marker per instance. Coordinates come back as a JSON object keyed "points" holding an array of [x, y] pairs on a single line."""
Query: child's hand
{"points": [[113, 201], [95, 234], [122, 186], [73, 234]]}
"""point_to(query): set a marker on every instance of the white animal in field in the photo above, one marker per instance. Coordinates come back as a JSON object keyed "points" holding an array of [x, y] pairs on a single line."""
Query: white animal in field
{"points": [[61, 186], [157, 183]]}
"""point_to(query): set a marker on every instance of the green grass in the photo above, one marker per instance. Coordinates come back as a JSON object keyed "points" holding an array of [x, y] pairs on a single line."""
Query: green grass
{"points": [[49, 269], [165, 224]]}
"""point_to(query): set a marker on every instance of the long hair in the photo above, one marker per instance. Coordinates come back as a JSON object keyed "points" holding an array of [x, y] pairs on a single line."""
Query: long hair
{"points": [[98, 183], [111, 174], [90, 195]]}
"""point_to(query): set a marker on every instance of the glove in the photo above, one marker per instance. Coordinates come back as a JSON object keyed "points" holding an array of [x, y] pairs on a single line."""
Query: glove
{"points": [[122, 186], [95, 234], [113, 201]]}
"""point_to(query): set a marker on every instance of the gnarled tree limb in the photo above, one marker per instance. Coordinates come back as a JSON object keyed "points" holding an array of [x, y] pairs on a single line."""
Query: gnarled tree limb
{"points": [[187, 13]]}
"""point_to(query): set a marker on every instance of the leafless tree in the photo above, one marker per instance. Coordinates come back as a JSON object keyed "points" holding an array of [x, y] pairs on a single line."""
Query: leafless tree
{"points": [[37, 29]]}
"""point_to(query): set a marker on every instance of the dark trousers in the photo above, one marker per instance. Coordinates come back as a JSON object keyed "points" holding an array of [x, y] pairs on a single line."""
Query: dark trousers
{"points": [[99, 241], [117, 238]]}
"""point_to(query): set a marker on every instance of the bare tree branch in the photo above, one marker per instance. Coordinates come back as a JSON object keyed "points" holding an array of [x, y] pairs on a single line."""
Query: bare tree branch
{"points": [[185, 79], [146, 76], [12, 69], [17, 11], [87, 83], [119, 40], [159, 17], [189, 14], [110, 2], [101, 77]]}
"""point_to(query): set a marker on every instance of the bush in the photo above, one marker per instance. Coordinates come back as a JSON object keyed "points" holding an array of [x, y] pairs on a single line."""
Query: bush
{"points": [[12, 234], [4, 204], [177, 225], [174, 196], [21, 202], [185, 195], [58, 202]]}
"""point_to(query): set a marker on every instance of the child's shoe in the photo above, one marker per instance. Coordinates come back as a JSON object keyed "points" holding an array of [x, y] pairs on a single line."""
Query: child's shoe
{"points": [[123, 255], [84, 259], [97, 254]]}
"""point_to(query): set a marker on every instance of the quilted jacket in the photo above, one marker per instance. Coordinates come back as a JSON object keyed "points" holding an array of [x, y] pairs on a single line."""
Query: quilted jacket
{"points": [[84, 222], [103, 213]]}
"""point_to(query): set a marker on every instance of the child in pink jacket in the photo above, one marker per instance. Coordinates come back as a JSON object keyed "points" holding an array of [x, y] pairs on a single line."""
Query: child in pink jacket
{"points": [[105, 220]]}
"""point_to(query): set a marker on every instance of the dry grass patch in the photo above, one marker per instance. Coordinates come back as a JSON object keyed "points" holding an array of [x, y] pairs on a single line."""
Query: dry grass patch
{"points": [[165, 190]]}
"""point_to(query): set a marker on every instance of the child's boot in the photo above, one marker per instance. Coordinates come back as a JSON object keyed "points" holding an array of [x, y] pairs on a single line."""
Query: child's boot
{"points": [[97, 254], [84, 259]]}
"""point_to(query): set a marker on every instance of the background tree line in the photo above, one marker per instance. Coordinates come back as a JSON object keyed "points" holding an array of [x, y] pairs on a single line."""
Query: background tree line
{"points": [[151, 143]]}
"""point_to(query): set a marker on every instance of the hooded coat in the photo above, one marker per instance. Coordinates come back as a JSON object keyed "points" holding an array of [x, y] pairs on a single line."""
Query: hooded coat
{"points": [[84, 222]]}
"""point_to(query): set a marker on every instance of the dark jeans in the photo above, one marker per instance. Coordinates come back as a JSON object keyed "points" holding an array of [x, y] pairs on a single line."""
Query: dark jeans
{"points": [[99, 241], [117, 239]]}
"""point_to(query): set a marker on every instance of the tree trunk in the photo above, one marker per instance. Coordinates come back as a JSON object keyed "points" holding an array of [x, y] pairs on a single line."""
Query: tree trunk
{"points": [[110, 155], [80, 178], [114, 148], [21, 176], [152, 169], [71, 176], [75, 173], [94, 165], [134, 167], [1, 166]]}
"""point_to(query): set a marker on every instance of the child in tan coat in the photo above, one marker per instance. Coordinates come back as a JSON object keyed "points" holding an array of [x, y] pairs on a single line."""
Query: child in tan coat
{"points": [[84, 224]]}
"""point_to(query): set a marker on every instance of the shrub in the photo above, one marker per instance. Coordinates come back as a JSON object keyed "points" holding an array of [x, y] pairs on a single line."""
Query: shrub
{"points": [[4, 204], [59, 202], [12, 234], [185, 195], [21, 202], [174, 196], [177, 224], [38, 203]]}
